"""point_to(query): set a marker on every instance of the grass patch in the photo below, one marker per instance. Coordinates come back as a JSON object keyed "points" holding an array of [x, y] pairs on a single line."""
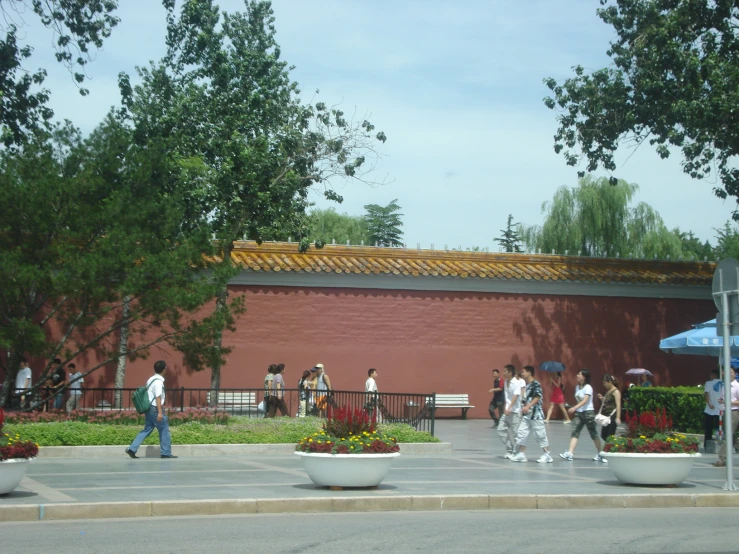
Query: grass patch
{"points": [[238, 430]]}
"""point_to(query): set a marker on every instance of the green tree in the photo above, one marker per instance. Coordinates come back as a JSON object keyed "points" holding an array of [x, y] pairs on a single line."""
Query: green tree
{"points": [[245, 150], [597, 219], [692, 247], [727, 241], [674, 83], [327, 225], [77, 25], [84, 228], [510, 239], [384, 223]]}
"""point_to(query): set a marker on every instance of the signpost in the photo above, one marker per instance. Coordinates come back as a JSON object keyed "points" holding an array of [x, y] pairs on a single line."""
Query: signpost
{"points": [[726, 298]]}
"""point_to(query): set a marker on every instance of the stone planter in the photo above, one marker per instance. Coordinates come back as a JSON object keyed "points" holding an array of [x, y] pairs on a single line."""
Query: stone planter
{"points": [[651, 469], [11, 473], [347, 470]]}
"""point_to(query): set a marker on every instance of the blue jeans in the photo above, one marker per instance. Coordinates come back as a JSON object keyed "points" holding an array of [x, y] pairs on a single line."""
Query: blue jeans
{"points": [[58, 401], [151, 423]]}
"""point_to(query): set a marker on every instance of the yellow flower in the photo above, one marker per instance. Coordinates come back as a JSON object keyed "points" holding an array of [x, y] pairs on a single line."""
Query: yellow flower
{"points": [[642, 437]]}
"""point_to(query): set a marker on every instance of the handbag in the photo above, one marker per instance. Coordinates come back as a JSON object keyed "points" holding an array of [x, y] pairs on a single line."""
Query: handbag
{"points": [[604, 420]]}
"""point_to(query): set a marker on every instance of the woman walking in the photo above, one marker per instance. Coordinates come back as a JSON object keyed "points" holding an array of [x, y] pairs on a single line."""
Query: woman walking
{"points": [[303, 393], [610, 407], [558, 398], [584, 413]]}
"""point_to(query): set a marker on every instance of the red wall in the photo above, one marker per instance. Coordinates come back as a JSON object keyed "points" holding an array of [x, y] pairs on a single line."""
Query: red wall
{"points": [[444, 342]]}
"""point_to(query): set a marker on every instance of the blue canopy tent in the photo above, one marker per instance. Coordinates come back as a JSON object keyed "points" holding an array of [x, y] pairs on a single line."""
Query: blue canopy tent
{"points": [[699, 341]]}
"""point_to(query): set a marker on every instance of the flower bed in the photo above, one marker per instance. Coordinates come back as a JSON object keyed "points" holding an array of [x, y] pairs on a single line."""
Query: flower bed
{"points": [[348, 431], [13, 447], [239, 430], [650, 433], [118, 417]]}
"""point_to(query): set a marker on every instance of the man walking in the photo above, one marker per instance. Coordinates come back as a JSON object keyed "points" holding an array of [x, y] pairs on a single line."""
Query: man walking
{"points": [[711, 393], [497, 403], [323, 388], [75, 388], [22, 384], [511, 418], [155, 418], [734, 403], [533, 419], [58, 379]]}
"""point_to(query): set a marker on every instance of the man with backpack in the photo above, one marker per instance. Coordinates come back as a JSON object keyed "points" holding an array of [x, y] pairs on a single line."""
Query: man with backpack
{"points": [[155, 418]]}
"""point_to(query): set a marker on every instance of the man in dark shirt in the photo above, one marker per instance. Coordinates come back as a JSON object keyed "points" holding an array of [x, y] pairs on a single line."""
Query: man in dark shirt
{"points": [[498, 400], [58, 380]]}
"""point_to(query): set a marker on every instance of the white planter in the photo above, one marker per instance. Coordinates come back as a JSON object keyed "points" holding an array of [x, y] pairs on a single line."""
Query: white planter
{"points": [[11, 473], [347, 470], [651, 469]]}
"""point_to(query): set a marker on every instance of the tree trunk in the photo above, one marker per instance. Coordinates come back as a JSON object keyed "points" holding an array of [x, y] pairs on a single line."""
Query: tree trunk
{"points": [[120, 372], [221, 306]]}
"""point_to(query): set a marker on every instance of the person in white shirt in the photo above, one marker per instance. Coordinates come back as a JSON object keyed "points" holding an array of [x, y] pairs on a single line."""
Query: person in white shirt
{"points": [[370, 387], [155, 418], [584, 413], [22, 382], [711, 392], [75, 388], [734, 417], [511, 418]]}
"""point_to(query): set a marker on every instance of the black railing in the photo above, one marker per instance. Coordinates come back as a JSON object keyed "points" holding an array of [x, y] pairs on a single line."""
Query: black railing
{"points": [[417, 410]]}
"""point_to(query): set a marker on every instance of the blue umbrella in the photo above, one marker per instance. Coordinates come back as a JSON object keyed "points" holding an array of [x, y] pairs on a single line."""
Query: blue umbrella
{"points": [[700, 341], [552, 367]]}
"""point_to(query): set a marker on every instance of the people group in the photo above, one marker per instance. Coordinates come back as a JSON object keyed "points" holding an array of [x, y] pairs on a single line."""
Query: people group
{"points": [[518, 411], [314, 391], [52, 392]]}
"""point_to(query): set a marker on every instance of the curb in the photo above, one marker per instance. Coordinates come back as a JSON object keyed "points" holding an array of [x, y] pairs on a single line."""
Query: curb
{"points": [[151, 451], [168, 508]]}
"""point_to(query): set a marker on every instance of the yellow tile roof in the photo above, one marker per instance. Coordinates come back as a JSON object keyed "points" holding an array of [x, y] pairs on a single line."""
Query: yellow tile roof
{"points": [[282, 256]]}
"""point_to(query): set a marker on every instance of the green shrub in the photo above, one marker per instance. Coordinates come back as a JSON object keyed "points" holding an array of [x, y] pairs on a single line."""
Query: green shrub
{"points": [[684, 405], [239, 430]]}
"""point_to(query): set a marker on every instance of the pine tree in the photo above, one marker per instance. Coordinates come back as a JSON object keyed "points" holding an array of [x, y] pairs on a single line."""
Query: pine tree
{"points": [[510, 239], [384, 223]]}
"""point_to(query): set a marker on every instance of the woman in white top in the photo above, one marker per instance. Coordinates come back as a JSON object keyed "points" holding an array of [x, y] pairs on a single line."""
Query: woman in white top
{"points": [[584, 415]]}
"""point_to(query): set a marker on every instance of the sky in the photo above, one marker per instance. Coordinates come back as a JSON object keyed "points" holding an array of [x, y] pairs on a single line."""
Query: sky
{"points": [[457, 88]]}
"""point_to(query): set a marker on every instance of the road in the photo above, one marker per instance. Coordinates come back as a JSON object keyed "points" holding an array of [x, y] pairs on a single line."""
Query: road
{"points": [[566, 531]]}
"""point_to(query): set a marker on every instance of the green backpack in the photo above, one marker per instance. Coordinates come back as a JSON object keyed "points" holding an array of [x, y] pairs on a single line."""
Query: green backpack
{"points": [[140, 399]]}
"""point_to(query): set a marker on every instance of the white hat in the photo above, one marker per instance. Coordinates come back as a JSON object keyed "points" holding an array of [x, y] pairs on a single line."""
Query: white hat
{"points": [[319, 366]]}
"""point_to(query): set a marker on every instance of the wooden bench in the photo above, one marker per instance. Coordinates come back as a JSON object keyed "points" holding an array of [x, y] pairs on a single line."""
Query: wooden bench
{"points": [[453, 401], [238, 401]]}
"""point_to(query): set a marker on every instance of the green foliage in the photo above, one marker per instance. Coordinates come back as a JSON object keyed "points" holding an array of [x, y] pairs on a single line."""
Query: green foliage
{"points": [[85, 223], [510, 239], [673, 82], [77, 26], [727, 242], [596, 218], [684, 405], [237, 431], [384, 223], [327, 225], [242, 149], [693, 249]]}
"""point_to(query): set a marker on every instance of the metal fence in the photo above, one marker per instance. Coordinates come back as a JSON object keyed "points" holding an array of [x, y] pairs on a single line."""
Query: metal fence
{"points": [[417, 410]]}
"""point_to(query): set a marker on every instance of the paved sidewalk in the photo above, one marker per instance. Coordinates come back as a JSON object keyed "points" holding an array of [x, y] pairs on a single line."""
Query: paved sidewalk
{"points": [[474, 475]]}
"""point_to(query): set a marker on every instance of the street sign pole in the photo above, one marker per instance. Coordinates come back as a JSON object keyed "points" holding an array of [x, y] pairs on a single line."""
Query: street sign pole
{"points": [[728, 435], [726, 298]]}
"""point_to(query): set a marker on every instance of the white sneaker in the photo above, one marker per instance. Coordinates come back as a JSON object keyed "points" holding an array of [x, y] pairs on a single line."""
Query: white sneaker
{"points": [[509, 455], [545, 459], [520, 457], [566, 456], [600, 458]]}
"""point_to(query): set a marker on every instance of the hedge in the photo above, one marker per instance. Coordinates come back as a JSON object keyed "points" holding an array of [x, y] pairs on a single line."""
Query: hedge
{"points": [[257, 431], [684, 405]]}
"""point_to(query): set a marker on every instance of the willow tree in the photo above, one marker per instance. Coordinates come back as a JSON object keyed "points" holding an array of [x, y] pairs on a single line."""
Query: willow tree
{"points": [[247, 148], [597, 218], [673, 83]]}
